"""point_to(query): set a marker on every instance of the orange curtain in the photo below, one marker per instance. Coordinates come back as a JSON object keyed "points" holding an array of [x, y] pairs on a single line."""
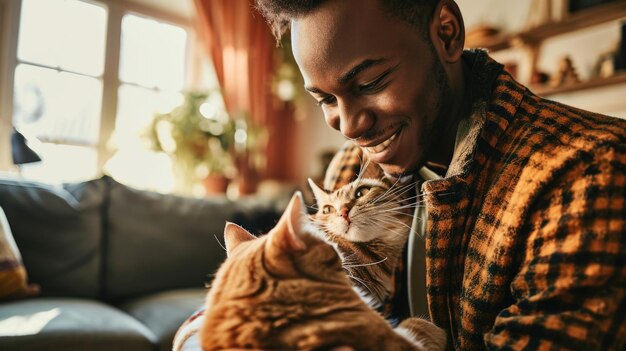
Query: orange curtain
{"points": [[242, 48]]}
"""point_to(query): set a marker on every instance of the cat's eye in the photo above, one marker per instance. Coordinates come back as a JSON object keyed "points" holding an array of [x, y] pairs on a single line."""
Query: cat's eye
{"points": [[361, 191], [328, 209]]}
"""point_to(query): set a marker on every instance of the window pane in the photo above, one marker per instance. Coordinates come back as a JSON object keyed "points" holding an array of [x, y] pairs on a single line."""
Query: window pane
{"points": [[152, 53], [136, 108], [62, 163], [69, 34], [63, 107], [133, 163]]}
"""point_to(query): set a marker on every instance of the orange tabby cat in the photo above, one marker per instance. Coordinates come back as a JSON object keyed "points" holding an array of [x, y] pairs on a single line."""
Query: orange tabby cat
{"points": [[287, 290]]}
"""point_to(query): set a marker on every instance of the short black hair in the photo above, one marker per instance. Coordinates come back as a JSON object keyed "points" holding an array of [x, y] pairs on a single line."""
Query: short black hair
{"points": [[279, 13]]}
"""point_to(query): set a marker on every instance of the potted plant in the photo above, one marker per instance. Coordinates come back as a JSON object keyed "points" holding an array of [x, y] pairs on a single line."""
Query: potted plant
{"points": [[199, 136]]}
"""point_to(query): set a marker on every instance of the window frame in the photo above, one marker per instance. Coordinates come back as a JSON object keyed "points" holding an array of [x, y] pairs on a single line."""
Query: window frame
{"points": [[10, 11]]}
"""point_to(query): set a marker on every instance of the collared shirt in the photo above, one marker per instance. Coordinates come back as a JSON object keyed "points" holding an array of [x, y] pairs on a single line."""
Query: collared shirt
{"points": [[416, 258]]}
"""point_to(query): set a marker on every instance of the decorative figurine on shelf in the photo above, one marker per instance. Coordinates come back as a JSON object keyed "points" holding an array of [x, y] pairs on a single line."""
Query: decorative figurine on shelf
{"points": [[539, 77], [566, 73], [606, 63]]}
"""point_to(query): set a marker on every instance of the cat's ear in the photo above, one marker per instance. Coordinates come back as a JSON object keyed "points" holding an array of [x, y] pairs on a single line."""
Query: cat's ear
{"points": [[235, 235], [286, 233], [318, 192]]}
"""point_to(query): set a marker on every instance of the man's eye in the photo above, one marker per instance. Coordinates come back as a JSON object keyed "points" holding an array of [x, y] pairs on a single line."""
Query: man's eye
{"points": [[328, 209], [329, 100], [375, 85], [370, 87], [361, 191]]}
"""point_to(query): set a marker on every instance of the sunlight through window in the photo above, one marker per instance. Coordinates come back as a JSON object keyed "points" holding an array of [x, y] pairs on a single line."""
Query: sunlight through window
{"points": [[27, 324], [58, 86], [152, 72]]}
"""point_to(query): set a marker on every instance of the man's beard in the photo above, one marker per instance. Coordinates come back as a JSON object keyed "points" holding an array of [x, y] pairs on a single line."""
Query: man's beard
{"points": [[440, 109]]}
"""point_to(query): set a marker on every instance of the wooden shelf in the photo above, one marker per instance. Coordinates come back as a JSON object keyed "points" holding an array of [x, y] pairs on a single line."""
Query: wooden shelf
{"points": [[543, 90], [576, 21], [495, 43]]}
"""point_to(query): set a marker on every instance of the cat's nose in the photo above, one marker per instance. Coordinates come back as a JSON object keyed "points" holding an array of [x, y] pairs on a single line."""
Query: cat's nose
{"points": [[344, 212]]}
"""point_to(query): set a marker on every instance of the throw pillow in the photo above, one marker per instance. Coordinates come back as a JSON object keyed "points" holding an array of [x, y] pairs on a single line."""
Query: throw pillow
{"points": [[13, 277]]}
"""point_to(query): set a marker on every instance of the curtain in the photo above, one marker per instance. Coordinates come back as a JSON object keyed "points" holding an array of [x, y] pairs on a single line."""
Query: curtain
{"points": [[243, 49]]}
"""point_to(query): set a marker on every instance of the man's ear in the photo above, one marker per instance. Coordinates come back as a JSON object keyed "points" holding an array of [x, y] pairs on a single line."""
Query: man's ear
{"points": [[447, 31], [235, 235]]}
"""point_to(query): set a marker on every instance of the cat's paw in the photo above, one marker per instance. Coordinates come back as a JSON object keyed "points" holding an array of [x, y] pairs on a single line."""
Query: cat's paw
{"points": [[422, 333]]}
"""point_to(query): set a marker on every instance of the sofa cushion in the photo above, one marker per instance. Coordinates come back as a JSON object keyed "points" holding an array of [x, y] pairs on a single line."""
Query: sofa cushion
{"points": [[70, 324], [163, 313], [162, 242], [13, 277], [58, 232]]}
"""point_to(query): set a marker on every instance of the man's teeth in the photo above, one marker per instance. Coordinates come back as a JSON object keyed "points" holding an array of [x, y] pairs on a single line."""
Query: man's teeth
{"points": [[382, 146]]}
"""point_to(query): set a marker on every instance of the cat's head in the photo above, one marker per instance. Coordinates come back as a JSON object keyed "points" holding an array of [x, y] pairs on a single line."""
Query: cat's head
{"points": [[364, 210], [288, 276], [291, 250]]}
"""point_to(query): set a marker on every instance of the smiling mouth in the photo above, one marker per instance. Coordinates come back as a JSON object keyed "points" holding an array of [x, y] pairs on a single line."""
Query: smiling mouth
{"points": [[383, 145]]}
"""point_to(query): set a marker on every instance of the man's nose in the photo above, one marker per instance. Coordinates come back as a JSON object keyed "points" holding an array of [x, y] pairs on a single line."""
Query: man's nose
{"points": [[352, 120]]}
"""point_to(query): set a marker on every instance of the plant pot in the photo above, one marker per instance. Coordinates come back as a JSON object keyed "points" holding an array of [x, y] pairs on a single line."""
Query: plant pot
{"points": [[215, 184]]}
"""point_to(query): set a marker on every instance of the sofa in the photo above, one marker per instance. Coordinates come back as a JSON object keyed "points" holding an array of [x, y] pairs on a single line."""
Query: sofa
{"points": [[118, 268]]}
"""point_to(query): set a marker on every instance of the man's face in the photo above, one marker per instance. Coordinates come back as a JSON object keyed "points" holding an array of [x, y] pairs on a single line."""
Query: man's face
{"points": [[376, 78]]}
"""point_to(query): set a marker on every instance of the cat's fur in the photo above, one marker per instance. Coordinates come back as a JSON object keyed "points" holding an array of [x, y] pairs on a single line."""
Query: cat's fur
{"points": [[370, 229], [287, 290]]}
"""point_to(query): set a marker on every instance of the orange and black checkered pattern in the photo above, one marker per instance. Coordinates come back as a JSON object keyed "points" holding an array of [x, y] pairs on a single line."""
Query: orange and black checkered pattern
{"points": [[526, 234]]}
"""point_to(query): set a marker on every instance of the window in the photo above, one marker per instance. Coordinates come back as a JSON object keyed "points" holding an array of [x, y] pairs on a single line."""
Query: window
{"points": [[61, 79], [152, 75], [58, 85]]}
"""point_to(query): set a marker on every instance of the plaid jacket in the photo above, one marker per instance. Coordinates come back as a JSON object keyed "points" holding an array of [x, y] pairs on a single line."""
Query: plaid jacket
{"points": [[526, 234]]}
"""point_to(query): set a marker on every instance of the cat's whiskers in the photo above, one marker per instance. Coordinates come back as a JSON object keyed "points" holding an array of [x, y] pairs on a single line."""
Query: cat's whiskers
{"points": [[374, 212], [424, 194], [383, 194], [390, 198], [383, 224], [218, 241], [398, 212], [365, 264], [392, 191], [391, 220], [413, 205], [350, 257], [361, 281], [362, 169], [390, 205]]}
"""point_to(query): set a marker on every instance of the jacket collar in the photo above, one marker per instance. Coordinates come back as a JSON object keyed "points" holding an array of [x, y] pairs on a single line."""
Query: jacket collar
{"points": [[494, 97]]}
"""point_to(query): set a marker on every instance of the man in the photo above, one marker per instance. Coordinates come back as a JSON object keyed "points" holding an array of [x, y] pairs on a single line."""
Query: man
{"points": [[525, 232]]}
